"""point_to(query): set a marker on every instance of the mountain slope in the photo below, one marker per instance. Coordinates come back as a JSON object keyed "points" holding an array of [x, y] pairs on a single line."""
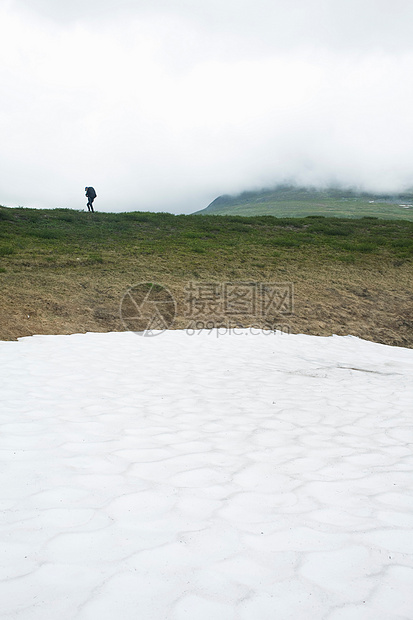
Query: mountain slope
{"points": [[291, 201]]}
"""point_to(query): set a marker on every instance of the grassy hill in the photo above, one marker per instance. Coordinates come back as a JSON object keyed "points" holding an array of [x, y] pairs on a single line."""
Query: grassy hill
{"points": [[65, 271], [291, 201]]}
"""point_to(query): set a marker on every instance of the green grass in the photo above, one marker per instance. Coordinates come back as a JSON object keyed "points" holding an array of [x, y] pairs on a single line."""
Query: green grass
{"points": [[74, 236], [68, 270], [6, 250]]}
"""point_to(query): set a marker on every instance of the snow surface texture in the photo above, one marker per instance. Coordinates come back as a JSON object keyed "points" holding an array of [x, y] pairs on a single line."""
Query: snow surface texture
{"points": [[244, 477]]}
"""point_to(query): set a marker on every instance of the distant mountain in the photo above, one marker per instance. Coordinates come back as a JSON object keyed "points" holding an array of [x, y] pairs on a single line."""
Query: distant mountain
{"points": [[292, 201]]}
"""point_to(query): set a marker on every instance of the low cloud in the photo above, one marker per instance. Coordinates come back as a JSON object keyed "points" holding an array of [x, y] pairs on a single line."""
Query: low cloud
{"points": [[164, 109]]}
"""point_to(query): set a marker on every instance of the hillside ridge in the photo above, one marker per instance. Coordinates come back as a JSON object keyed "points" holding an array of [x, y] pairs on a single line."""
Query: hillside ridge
{"points": [[294, 201]]}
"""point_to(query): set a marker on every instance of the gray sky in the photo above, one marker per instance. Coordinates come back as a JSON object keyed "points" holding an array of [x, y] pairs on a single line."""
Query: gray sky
{"points": [[165, 104]]}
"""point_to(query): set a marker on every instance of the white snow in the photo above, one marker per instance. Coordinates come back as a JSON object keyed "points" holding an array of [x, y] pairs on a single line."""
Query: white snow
{"points": [[205, 477]]}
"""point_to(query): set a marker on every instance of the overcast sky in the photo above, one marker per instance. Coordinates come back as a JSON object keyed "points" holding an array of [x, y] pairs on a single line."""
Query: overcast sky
{"points": [[163, 105]]}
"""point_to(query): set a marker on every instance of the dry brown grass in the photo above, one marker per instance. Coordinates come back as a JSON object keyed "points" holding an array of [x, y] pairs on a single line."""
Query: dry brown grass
{"points": [[369, 299]]}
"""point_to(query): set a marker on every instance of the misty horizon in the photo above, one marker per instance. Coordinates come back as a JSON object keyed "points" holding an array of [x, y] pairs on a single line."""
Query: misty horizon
{"points": [[168, 106], [346, 190]]}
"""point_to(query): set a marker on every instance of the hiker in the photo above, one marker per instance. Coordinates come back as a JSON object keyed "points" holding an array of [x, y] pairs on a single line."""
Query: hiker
{"points": [[90, 195]]}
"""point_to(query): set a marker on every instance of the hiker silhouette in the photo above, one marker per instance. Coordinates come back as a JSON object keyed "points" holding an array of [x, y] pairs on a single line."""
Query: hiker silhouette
{"points": [[90, 195]]}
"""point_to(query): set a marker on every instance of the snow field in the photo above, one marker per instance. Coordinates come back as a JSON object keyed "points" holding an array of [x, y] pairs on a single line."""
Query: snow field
{"points": [[195, 477]]}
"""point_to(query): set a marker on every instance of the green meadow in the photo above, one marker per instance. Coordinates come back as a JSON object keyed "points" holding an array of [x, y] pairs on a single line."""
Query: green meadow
{"points": [[63, 270]]}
